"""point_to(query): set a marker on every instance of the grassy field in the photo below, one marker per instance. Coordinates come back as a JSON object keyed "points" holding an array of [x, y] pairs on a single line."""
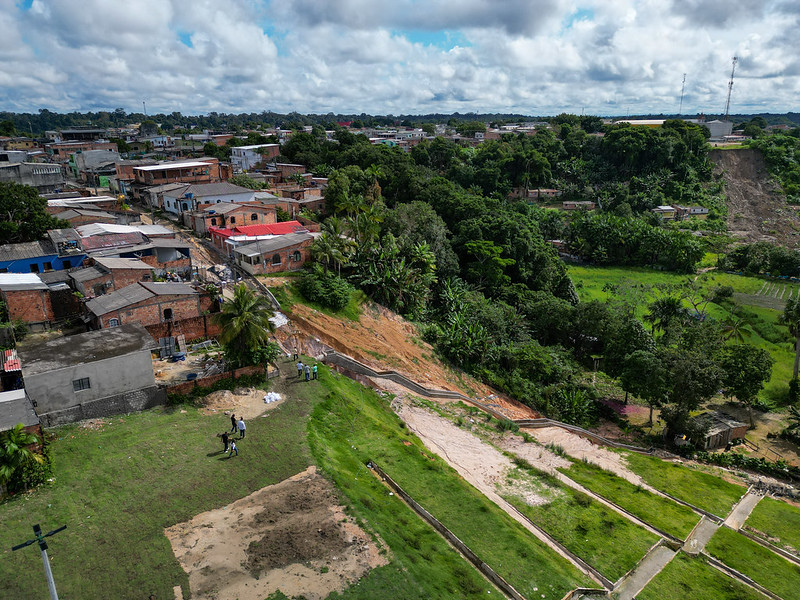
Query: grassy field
{"points": [[689, 578], [754, 300], [355, 425], [659, 512], [779, 520], [703, 490], [604, 539], [760, 564], [118, 487]]}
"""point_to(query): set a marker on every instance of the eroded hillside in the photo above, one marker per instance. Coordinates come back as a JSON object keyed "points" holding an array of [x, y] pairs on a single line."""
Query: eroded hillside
{"points": [[757, 211]]}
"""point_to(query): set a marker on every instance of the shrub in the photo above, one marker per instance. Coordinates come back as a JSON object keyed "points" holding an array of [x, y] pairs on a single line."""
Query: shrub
{"points": [[325, 288]]}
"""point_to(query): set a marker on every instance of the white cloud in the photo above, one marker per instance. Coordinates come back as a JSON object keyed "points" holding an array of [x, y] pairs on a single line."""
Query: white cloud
{"points": [[391, 56]]}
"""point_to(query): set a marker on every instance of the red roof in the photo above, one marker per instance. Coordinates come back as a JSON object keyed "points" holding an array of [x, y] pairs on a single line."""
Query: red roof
{"points": [[220, 231], [271, 228]]}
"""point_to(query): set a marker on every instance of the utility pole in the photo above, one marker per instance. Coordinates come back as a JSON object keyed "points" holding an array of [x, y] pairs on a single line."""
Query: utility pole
{"points": [[683, 86], [144, 108], [730, 88], [37, 531]]}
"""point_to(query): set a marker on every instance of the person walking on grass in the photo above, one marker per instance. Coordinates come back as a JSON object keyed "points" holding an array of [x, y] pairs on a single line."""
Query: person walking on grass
{"points": [[233, 449], [233, 423], [242, 427], [299, 369], [308, 372], [225, 439], [314, 372]]}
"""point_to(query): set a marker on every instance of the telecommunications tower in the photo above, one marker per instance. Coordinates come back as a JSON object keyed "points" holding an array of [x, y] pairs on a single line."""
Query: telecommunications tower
{"points": [[730, 88]]}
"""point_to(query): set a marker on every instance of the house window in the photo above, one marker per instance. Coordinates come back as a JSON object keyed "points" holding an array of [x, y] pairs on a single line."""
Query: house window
{"points": [[48, 266], [167, 314], [113, 322], [80, 384], [185, 206], [276, 259], [213, 220], [34, 268], [218, 201], [67, 264], [254, 217], [296, 256], [233, 219]]}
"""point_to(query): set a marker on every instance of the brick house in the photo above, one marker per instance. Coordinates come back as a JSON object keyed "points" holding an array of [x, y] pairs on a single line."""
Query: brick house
{"points": [[201, 170], [287, 252], [147, 303], [27, 298], [228, 215], [227, 239], [108, 274], [188, 198]]}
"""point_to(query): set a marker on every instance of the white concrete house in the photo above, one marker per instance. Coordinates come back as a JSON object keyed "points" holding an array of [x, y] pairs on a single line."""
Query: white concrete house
{"points": [[187, 198]]}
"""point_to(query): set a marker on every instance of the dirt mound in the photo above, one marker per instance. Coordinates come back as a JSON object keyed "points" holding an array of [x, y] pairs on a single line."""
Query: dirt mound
{"points": [[385, 341], [244, 402], [292, 536], [757, 210]]}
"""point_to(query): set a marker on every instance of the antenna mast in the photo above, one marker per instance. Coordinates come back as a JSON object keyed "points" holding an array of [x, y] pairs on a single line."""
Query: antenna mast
{"points": [[683, 86], [730, 88]]}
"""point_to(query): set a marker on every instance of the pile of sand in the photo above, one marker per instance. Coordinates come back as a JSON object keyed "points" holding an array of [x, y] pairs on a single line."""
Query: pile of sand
{"points": [[292, 536]]}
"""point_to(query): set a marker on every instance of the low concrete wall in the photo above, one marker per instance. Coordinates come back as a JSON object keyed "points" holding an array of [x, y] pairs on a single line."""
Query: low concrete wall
{"points": [[354, 366], [485, 569], [119, 404], [776, 549], [740, 576]]}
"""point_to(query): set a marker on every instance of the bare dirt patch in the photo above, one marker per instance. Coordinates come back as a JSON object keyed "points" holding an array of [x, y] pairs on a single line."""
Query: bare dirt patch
{"points": [[757, 210], [582, 449], [292, 536], [245, 402], [385, 341]]}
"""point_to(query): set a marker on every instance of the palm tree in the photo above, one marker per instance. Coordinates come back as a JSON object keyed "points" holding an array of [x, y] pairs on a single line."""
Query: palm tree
{"points": [[791, 318], [245, 324], [732, 326], [14, 453]]}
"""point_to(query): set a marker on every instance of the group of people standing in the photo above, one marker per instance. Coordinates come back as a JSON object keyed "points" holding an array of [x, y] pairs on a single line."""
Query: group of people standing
{"points": [[310, 372], [227, 439]]}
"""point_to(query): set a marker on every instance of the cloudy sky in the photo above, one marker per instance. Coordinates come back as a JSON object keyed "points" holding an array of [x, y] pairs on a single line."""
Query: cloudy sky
{"points": [[539, 57]]}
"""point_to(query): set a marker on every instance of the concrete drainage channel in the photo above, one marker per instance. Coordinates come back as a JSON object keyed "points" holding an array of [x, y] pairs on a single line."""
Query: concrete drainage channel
{"points": [[467, 553]]}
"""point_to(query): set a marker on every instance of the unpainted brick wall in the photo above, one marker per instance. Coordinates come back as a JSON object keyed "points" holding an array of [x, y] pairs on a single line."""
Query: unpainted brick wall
{"points": [[192, 329], [30, 306], [188, 386]]}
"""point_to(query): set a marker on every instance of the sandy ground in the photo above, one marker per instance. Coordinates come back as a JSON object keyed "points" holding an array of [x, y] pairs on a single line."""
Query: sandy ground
{"points": [[580, 448], [245, 402], [292, 536]]}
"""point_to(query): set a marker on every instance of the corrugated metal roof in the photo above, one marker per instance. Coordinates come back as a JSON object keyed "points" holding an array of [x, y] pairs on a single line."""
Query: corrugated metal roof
{"points": [[272, 228], [111, 240], [174, 165], [200, 190], [168, 288], [118, 299], [21, 281], [26, 250], [111, 263], [273, 245], [87, 274]]}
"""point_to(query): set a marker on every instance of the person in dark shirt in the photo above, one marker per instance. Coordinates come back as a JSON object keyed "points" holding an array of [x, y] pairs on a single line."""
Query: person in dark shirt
{"points": [[225, 440], [233, 423]]}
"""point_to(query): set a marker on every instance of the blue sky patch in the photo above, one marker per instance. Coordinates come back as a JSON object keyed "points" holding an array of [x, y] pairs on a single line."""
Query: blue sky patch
{"points": [[582, 14], [185, 37]]}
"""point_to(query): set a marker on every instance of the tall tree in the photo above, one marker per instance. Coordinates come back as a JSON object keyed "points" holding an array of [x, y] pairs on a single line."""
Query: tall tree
{"points": [[791, 318], [643, 375], [23, 214], [745, 368], [245, 325]]}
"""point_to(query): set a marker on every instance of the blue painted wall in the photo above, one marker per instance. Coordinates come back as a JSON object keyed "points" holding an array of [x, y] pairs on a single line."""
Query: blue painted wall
{"points": [[57, 264]]}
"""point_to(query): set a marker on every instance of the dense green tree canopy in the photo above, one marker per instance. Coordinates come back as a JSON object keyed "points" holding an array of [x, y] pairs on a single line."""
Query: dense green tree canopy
{"points": [[23, 214]]}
